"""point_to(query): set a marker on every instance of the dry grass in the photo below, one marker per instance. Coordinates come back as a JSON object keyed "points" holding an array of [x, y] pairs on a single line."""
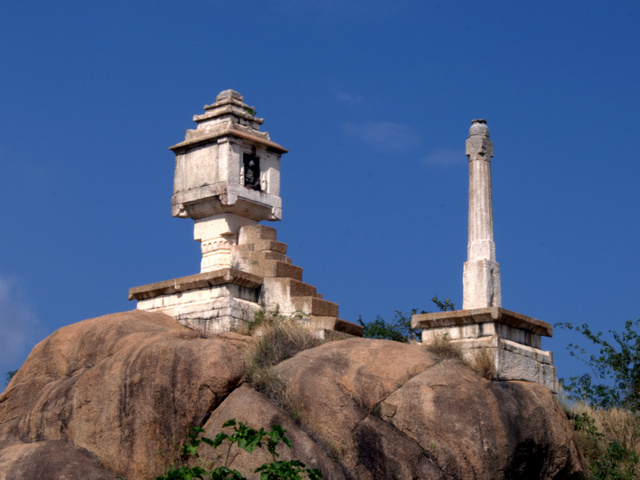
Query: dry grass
{"points": [[443, 347], [481, 360], [614, 423], [605, 427], [482, 363], [279, 338]]}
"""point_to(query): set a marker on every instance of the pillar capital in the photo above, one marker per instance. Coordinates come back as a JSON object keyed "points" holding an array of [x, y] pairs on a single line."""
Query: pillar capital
{"points": [[479, 147]]}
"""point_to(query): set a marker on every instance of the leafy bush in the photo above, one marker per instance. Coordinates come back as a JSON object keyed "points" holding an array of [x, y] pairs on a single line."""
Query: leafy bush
{"points": [[606, 402], [615, 377], [248, 439], [9, 375], [400, 328]]}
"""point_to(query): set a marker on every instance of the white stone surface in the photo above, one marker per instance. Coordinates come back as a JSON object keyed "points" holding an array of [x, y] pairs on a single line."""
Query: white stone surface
{"points": [[217, 234], [210, 182], [215, 309], [481, 272], [460, 332], [511, 360]]}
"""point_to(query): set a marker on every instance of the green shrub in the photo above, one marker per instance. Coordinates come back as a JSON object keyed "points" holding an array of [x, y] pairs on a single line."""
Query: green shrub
{"points": [[615, 377], [246, 438], [9, 375], [399, 329], [606, 402]]}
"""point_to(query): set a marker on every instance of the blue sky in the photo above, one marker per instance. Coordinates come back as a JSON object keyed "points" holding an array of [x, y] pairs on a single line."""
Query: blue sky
{"points": [[374, 100]]}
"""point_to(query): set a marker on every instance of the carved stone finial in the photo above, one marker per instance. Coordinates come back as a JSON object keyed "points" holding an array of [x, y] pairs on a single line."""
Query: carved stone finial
{"points": [[229, 94], [479, 127]]}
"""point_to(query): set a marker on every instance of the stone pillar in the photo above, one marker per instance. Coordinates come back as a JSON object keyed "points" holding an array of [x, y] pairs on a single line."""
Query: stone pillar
{"points": [[481, 274]]}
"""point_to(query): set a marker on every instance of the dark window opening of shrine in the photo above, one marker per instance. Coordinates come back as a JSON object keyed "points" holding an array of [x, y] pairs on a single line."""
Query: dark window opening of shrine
{"points": [[251, 171]]}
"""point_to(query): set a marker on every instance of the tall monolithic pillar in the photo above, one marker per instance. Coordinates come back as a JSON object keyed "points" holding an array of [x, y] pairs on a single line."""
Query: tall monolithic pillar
{"points": [[481, 274]]}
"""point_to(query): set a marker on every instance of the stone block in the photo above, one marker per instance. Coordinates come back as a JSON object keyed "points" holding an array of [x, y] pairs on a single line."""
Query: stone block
{"points": [[315, 306], [513, 361], [336, 324], [255, 233], [459, 332], [512, 341]]}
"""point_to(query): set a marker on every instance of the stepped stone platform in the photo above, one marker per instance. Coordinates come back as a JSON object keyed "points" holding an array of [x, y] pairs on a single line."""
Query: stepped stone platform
{"points": [[261, 276], [512, 340]]}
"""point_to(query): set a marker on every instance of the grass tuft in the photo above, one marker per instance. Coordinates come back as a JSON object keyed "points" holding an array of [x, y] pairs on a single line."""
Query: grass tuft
{"points": [[482, 362], [478, 359], [610, 439], [442, 346], [279, 338]]}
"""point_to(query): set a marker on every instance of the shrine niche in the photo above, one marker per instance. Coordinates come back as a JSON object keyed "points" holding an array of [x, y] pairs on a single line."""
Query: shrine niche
{"points": [[251, 171]]}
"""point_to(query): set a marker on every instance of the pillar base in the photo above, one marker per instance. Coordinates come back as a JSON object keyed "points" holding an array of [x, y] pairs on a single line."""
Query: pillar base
{"points": [[511, 340]]}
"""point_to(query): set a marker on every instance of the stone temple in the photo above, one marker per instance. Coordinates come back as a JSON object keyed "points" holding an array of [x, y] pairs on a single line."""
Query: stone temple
{"points": [[511, 341], [227, 179]]}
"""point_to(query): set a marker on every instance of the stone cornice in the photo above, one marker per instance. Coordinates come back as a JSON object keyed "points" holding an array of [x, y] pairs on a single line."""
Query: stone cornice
{"points": [[226, 132], [194, 282], [482, 315]]}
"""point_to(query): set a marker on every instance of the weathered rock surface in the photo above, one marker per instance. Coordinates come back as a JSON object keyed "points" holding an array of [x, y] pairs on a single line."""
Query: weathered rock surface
{"points": [[113, 395]]}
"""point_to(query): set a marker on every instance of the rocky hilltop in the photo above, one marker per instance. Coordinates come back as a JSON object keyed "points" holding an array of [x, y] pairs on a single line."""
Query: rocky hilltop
{"points": [[112, 396]]}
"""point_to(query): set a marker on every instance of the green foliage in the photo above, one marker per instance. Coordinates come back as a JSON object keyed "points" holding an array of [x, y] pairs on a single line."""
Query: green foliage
{"points": [[248, 439], [293, 469], [9, 375], [608, 459], [615, 378], [399, 329], [446, 306], [251, 111]]}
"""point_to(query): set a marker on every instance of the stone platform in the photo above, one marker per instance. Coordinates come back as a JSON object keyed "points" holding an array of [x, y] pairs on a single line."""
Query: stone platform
{"points": [[512, 340], [261, 277]]}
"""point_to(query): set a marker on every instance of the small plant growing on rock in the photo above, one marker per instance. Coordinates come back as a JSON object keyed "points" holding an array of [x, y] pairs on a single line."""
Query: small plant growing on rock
{"points": [[279, 338], [248, 439], [482, 363], [9, 375], [442, 346]]}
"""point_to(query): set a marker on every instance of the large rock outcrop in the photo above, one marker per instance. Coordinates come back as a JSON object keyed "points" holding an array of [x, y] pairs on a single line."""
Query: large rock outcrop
{"points": [[112, 396]]}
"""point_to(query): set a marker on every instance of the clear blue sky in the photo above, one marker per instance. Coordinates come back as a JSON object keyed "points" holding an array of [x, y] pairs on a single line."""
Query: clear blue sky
{"points": [[374, 100]]}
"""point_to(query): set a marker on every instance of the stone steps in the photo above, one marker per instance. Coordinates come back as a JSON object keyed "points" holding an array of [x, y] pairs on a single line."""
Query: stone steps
{"points": [[259, 253], [315, 306]]}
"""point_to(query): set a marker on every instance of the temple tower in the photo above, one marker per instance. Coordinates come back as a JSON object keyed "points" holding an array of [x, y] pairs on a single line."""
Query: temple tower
{"points": [[481, 274], [227, 179], [227, 176]]}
